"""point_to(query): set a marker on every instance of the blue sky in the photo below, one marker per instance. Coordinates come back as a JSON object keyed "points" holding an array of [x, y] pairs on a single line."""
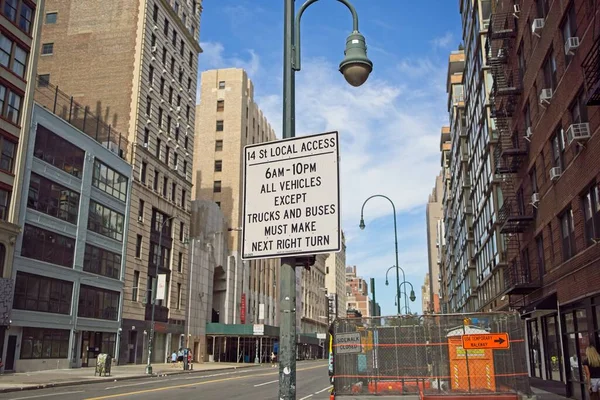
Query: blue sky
{"points": [[389, 128]]}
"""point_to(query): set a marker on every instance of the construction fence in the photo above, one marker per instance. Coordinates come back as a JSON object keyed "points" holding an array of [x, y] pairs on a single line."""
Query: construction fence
{"points": [[481, 354]]}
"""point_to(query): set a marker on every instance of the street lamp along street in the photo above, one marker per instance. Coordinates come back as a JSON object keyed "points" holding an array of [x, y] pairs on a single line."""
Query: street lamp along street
{"points": [[356, 66]]}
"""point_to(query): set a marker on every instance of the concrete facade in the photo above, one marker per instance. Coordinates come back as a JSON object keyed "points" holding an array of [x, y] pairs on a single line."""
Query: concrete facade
{"points": [[313, 301], [227, 120], [335, 277], [357, 293], [433, 218], [144, 87], [80, 318], [211, 276]]}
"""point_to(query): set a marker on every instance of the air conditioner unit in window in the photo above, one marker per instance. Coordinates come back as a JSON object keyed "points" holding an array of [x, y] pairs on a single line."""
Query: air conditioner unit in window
{"points": [[537, 26], [529, 133], [153, 49], [145, 145], [545, 96], [555, 173], [140, 218], [177, 168], [178, 108], [155, 27], [571, 44], [535, 199], [517, 8], [579, 132]]}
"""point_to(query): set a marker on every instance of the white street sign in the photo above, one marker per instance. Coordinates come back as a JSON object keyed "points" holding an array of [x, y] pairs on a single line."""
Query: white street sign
{"points": [[161, 286], [291, 197]]}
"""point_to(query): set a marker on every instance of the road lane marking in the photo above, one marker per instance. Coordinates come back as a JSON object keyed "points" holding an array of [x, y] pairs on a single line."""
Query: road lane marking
{"points": [[128, 385], [307, 397], [161, 389], [266, 383], [47, 395], [321, 391]]}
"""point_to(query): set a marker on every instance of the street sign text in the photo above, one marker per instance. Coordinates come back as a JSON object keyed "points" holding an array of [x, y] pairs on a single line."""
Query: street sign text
{"points": [[486, 341]]}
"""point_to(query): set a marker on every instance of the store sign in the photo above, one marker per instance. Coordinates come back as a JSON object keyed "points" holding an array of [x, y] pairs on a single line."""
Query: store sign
{"points": [[243, 309]]}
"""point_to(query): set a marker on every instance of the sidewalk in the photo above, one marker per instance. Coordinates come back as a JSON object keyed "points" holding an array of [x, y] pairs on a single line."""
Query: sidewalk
{"points": [[12, 382], [543, 395]]}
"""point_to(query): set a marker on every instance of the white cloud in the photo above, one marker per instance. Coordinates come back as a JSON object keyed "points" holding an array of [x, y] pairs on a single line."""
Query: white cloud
{"points": [[443, 41], [214, 57]]}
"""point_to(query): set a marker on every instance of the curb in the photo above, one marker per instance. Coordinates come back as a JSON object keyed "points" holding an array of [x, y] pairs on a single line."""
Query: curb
{"points": [[111, 379]]}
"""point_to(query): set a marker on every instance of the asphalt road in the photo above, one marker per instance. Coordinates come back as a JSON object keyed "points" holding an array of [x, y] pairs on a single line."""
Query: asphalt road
{"points": [[254, 383]]}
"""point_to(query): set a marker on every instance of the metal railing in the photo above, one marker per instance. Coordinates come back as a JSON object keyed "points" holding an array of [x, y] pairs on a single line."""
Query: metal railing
{"points": [[62, 105]]}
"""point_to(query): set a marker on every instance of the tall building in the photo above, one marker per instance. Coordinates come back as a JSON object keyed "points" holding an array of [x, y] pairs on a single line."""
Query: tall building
{"points": [[314, 297], [136, 69], [229, 119], [426, 295], [335, 279], [357, 293], [444, 255], [545, 57], [433, 217], [69, 263], [19, 39]]}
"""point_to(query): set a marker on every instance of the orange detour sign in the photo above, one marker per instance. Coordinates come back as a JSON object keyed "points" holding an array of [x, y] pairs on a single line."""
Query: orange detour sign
{"points": [[486, 341]]}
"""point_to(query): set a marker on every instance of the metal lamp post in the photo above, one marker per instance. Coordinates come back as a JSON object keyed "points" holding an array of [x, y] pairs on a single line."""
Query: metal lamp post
{"points": [[412, 293], [153, 295], [356, 68], [362, 226]]}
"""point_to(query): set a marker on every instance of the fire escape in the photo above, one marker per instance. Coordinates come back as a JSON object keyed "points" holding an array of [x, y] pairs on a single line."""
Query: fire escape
{"points": [[591, 71], [514, 215]]}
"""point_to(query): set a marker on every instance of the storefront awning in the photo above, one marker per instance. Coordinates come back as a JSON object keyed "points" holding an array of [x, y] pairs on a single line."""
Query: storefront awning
{"points": [[548, 303]]}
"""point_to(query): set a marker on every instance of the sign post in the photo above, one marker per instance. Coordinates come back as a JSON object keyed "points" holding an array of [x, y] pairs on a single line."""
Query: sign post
{"points": [[291, 197], [486, 341]]}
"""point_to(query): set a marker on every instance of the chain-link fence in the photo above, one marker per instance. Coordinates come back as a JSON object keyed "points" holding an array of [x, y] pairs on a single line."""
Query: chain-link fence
{"points": [[453, 354]]}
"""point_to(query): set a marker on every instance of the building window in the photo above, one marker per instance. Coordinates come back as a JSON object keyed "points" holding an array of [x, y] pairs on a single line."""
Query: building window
{"points": [[52, 199], [160, 117], [183, 198], [167, 155], [155, 13], [184, 166], [569, 29], [4, 204], [101, 262], [43, 80], [181, 231], [578, 109], [98, 303], [25, 18], [143, 172], [109, 181], [136, 284], [175, 160], [42, 245], [218, 145], [591, 214], [105, 221], [542, 8], [161, 220], [185, 143], [148, 106], [141, 210], [180, 262], [166, 27], [217, 187], [173, 191], [539, 243], [164, 61], [187, 113], [220, 126], [151, 75], [12, 56], [10, 105], [7, 154], [138, 246], [191, 60], [179, 296], [155, 183], [549, 68], [558, 148], [218, 165], [51, 18], [174, 40], [44, 343], [181, 47], [47, 49], [57, 151], [220, 105], [172, 65], [221, 84], [42, 294], [165, 254], [567, 229], [165, 186]]}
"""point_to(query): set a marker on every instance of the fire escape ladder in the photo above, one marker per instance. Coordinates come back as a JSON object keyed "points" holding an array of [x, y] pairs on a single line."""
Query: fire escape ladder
{"points": [[591, 72]]}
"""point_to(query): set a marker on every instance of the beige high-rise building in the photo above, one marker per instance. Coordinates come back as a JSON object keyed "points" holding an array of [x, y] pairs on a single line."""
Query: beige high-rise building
{"points": [[313, 301], [433, 215], [227, 120], [134, 63], [335, 280]]}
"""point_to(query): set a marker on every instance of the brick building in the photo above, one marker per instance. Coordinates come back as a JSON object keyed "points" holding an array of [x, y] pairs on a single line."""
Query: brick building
{"points": [[545, 56]]}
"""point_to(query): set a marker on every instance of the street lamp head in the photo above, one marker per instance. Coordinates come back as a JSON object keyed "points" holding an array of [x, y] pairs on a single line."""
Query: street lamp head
{"points": [[386, 282], [356, 66], [412, 295], [362, 224]]}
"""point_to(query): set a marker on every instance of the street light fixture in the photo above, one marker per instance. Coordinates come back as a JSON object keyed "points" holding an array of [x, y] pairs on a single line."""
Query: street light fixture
{"points": [[356, 68], [362, 227], [153, 295], [412, 293]]}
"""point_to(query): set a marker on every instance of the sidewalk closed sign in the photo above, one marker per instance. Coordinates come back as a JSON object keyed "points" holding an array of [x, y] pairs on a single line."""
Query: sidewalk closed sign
{"points": [[291, 197], [347, 343]]}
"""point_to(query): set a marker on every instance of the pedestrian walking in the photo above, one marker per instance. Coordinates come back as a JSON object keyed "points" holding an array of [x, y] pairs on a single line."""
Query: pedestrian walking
{"points": [[174, 358], [273, 357], [591, 366]]}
